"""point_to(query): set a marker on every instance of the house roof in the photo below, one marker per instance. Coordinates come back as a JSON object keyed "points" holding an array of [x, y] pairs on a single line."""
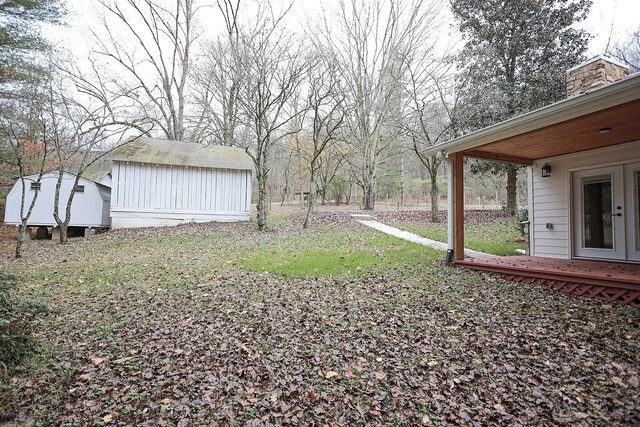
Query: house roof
{"points": [[177, 153], [569, 126]]}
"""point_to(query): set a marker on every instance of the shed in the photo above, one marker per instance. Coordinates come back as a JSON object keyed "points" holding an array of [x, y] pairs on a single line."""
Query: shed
{"points": [[164, 183], [89, 209]]}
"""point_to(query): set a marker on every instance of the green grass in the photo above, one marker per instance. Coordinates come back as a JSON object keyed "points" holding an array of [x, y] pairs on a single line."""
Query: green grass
{"points": [[331, 255], [497, 237]]}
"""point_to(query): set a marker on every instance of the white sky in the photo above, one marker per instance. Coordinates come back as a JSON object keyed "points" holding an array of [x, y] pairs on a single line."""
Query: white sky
{"points": [[609, 21]]}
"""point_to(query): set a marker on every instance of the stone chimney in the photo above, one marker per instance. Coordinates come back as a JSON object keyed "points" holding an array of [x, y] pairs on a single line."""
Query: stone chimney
{"points": [[593, 74]]}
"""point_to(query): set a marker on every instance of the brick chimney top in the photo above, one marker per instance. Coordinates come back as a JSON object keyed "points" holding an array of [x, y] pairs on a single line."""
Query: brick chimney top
{"points": [[593, 74]]}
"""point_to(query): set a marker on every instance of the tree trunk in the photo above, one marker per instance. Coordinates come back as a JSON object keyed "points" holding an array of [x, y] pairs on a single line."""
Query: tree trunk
{"points": [[312, 197], [512, 188], [262, 201], [434, 198], [402, 183], [21, 233], [64, 232], [369, 196]]}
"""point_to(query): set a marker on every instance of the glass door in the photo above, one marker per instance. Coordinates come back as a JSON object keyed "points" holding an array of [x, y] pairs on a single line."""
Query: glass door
{"points": [[599, 225], [632, 186]]}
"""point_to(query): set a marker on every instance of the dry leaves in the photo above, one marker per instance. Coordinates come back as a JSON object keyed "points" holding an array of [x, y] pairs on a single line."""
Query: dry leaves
{"points": [[165, 340]]}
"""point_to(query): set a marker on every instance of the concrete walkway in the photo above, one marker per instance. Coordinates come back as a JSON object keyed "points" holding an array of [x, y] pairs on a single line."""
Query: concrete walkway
{"points": [[370, 221]]}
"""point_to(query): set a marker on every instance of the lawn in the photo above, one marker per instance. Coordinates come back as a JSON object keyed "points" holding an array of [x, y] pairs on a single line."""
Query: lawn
{"points": [[494, 235], [219, 324]]}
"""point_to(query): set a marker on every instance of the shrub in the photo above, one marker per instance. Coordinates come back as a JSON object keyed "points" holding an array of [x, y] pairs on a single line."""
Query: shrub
{"points": [[16, 323]]}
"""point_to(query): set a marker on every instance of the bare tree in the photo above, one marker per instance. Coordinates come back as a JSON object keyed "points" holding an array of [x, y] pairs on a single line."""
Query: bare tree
{"points": [[629, 51], [82, 135], [24, 129], [372, 39], [429, 119], [325, 102], [217, 82], [273, 67], [151, 45]]}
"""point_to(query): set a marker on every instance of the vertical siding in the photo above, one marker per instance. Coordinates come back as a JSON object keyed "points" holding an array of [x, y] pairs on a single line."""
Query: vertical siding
{"points": [[86, 208], [551, 197], [172, 188]]}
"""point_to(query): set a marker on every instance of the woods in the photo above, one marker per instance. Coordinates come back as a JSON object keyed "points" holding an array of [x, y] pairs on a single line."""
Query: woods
{"points": [[336, 110]]}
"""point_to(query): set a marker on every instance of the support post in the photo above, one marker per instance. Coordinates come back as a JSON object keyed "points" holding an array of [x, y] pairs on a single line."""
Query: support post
{"points": [[458, 205]]}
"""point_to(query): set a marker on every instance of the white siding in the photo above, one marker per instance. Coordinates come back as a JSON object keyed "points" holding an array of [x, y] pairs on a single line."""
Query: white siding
{"points": [[551, 197], [156, 195], [87, 209]]}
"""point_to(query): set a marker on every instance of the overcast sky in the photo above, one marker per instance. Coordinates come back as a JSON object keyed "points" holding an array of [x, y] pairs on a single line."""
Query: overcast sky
{"points": [[609, 21]]}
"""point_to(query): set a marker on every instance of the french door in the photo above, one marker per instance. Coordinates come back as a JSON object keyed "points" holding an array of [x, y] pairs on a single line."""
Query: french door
{"points": [[606, 206]]}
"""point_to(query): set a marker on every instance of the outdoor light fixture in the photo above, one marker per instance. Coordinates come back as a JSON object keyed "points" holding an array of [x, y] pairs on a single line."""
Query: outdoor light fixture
{"points": [[546, 170], [604, 130]]}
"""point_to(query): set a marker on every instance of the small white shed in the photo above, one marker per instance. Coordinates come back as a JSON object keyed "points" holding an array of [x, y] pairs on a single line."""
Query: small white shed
{"points": [[165, 183], [89, 209]]}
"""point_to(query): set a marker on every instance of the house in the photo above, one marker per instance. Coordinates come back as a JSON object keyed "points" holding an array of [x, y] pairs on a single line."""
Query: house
{"points": [[583, 158], [163, 183], [90, 206]]}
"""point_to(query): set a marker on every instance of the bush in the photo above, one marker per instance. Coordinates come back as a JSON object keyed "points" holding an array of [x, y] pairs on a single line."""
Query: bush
{"points": [[16, 323], [521, 215]]}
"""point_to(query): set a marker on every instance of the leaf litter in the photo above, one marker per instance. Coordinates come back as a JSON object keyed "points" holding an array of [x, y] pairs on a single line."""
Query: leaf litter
{"points": [[161, 343]]}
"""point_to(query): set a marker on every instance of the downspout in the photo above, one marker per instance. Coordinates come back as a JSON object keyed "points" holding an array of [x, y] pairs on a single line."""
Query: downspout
{"points": [[449, 256]]}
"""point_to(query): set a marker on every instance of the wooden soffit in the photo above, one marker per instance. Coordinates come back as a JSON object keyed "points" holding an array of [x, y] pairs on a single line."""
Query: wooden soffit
{"points": [[567, 137]]}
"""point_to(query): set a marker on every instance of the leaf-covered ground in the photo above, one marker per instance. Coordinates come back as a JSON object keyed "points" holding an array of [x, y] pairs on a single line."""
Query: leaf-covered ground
{"points": [[179, 327]]}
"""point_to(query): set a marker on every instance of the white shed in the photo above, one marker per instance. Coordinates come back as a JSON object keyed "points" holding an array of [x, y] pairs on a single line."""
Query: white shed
{"points": [[164, 183], [89, 209]]}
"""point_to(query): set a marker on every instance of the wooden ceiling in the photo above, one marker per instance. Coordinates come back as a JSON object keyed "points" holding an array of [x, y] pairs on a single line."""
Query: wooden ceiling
{"points": [[571, 136]]}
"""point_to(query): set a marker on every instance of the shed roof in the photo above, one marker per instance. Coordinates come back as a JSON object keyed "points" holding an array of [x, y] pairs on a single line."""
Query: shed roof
{"points": [[98, 169], [601, 118], [178, 153]]}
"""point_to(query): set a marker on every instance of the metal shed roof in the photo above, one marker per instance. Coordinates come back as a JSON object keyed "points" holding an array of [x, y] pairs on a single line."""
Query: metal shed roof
{"points": [[97, 170], [177, 153]]}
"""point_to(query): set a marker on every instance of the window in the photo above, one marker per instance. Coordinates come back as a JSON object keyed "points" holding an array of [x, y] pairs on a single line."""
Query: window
{"points": [[79, 188], [35, 186]]}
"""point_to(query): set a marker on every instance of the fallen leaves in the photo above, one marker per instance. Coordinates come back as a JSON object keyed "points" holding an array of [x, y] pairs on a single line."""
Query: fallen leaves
{"points": [[418, 345], [331, 374], [500, 409], [96, 360]]}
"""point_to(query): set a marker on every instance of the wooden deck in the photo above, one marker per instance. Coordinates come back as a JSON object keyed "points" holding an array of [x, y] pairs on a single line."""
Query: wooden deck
{"points": [[608, 281]]}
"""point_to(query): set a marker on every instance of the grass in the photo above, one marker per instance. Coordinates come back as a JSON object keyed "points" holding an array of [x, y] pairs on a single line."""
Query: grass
{"points": [[152, 327], [325, 254], [497, 237]]}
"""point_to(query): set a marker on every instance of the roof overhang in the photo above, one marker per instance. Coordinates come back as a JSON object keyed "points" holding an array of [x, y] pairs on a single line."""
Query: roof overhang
{"points": [[570, 126]]}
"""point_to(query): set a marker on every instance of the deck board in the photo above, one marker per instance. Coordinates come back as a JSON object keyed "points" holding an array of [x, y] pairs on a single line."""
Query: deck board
{"points": [[610, 281]]}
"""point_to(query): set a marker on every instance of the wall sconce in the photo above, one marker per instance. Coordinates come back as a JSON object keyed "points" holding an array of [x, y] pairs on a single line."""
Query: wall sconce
{"points": [[546, 170]]}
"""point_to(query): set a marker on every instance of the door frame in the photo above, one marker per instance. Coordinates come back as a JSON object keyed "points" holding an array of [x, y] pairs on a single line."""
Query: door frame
{"points": [[632, 211], [618, 251]]}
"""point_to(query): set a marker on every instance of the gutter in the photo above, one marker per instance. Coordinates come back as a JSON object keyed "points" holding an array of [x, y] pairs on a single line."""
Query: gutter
{"points": [[449, 256]]}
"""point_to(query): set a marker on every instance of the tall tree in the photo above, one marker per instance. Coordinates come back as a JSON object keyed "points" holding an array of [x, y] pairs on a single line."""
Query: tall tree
{"points": [[513, 61], [151, 44], [24, 136], [373, 37], [83, 131], [273, 69], [20, 39], [326, 111], [217, 81]]}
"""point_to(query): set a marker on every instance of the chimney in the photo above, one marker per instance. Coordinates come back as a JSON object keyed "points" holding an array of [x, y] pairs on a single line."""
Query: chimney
{"points": [[593, 74]]}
